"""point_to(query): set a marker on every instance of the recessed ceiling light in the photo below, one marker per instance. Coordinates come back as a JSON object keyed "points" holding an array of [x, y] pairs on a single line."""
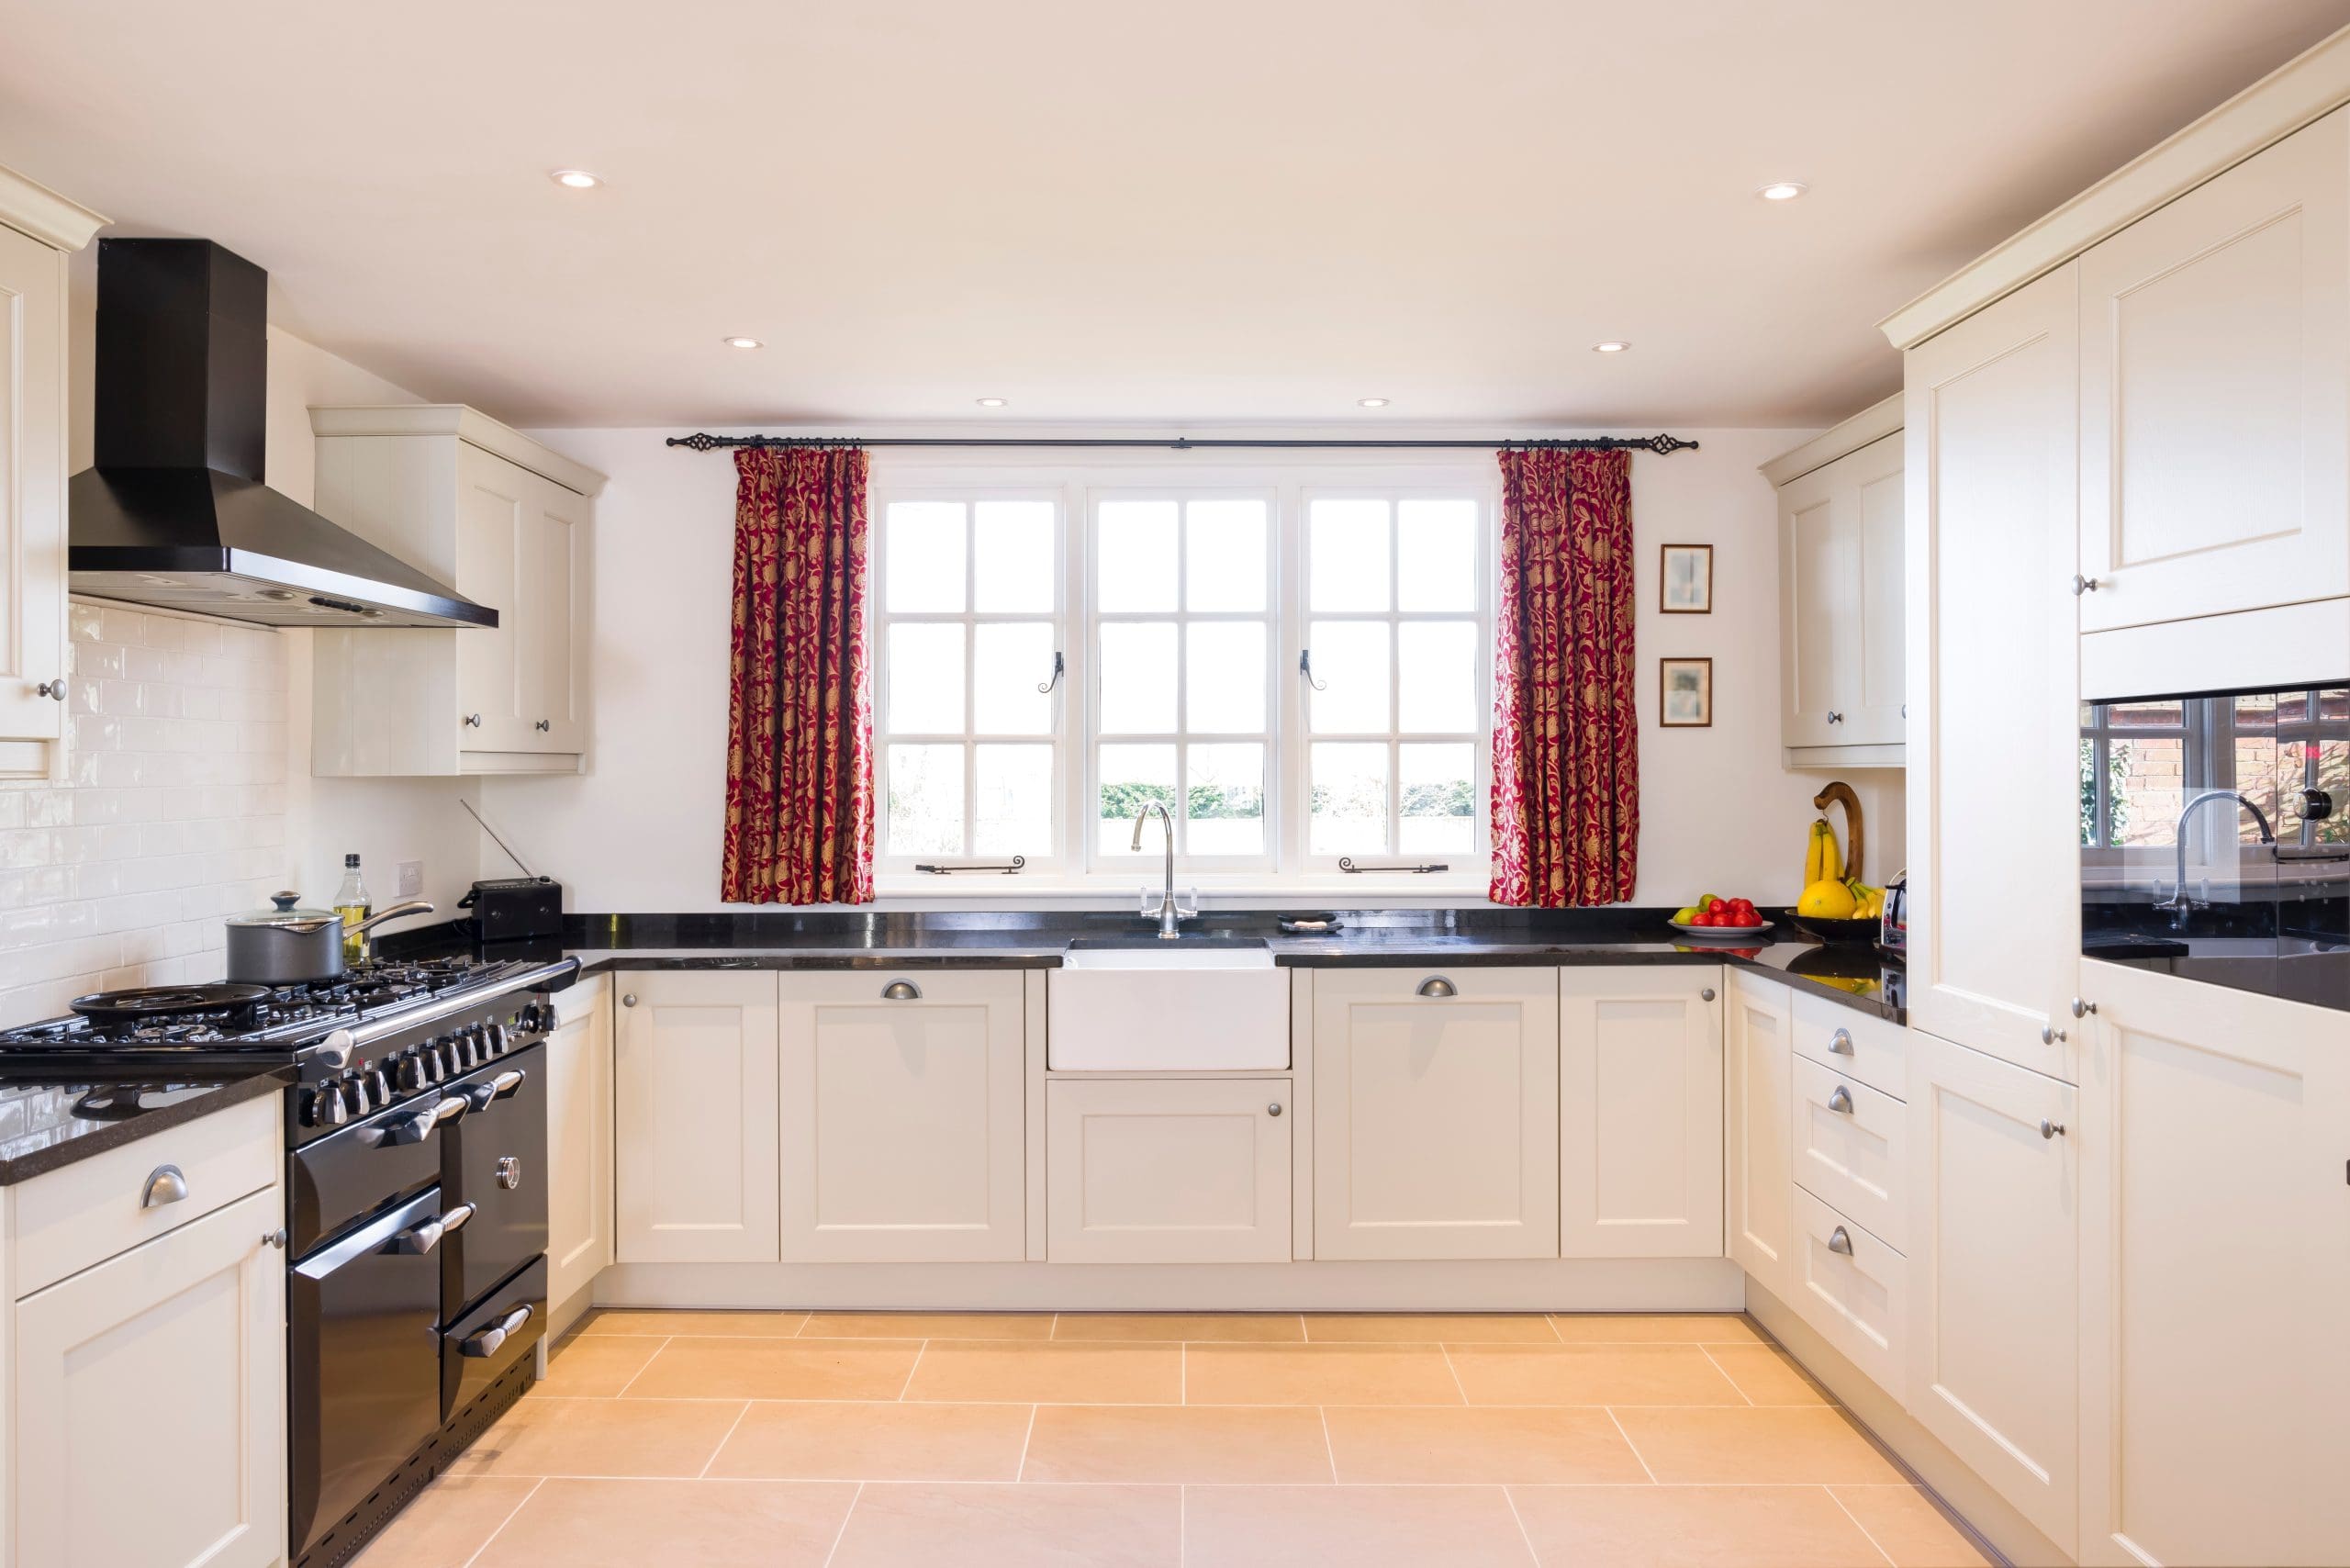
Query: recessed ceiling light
{"points": [[1783, 190], [1371, 402], [991, 402], [744, 343], [577, 179], [1613, 345]]}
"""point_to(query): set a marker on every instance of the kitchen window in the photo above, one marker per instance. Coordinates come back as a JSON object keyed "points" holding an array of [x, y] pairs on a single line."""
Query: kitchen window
{"points": [[1293, 662]]}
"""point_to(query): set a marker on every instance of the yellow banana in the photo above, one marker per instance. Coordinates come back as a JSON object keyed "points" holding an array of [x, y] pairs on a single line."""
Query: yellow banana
{"points": [[1815, 859], [1832, 866]]}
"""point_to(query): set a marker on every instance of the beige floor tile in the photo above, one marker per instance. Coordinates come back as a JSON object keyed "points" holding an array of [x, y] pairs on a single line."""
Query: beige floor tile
{"points": [[1361, 1527], [815, 1440], [602, 1437], [1591, 1375], [777, 1368], [1429, 1328], [708, 1524], [1401, 1444], [928, 1326], [1653, 1328], [1691, 1527], [594, 1368], [1910, 1529], [1766, 1374], [1176, 1443], [1254, 1327], [1318, 1374], [1751, 1447], [755, 1324], [1049, 1374], [896, 1526], [447, 1523]]}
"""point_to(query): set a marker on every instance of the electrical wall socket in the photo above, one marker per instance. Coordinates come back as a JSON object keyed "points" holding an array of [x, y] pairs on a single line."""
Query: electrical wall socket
{"points": [[412, 880]]}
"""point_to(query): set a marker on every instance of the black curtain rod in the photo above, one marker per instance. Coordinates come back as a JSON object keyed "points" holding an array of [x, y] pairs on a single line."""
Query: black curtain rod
{"points": [[702, 441]]}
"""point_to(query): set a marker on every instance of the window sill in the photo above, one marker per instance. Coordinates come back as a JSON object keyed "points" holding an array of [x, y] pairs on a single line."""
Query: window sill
{"points": [[1371, 890]]}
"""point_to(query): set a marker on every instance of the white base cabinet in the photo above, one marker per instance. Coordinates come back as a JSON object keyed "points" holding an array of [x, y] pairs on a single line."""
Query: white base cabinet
{"points": [[1169, 1170], [1995, 1231], [904, 1117], [1436, 1114], [1758, 1050], [696, 1157], [1640, 1113], [579, 1142], [2215, 1242]]}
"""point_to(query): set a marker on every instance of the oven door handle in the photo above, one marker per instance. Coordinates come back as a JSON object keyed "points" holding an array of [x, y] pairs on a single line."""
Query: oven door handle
{"points": [[486, 1343], [418, 1240], [419, 1124], [505, 1083]]}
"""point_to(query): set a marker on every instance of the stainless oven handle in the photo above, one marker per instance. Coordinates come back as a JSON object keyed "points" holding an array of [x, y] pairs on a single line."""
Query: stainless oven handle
{"points": [[486, 1343], [419, 1124], [454, 1220], [418, 1240], [369, 1240], [505, 1083]]}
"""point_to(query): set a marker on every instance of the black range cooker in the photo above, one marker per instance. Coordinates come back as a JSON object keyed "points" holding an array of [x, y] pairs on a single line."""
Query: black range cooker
{"points": [[416, 1201]]}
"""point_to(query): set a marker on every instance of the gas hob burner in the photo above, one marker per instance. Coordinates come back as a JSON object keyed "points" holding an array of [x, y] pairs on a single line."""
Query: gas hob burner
{"points": [[154, 1001]]}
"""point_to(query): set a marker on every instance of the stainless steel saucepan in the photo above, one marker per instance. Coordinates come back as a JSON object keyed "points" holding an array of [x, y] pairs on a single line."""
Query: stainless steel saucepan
{"points": [[285, 946]]}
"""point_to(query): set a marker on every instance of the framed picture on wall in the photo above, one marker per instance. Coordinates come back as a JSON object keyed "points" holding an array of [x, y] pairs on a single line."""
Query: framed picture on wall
{"points": [[1687, 700], [1687, 580]]}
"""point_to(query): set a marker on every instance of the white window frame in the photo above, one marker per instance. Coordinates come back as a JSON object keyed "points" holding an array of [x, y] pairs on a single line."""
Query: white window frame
{"points": [[1046, 857], [1478, 857], [1103, 861]]}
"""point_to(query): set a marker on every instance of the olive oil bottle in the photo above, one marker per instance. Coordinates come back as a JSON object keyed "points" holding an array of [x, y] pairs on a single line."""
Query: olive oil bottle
{"points": [[351, 902]]}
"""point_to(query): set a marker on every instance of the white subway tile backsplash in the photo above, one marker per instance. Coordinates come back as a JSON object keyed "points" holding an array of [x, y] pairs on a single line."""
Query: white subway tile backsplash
{"points": [[172, 812]]}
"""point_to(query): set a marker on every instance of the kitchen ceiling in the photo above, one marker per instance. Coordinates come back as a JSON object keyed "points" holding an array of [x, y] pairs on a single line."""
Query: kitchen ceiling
{"points": [[1216, 212]]}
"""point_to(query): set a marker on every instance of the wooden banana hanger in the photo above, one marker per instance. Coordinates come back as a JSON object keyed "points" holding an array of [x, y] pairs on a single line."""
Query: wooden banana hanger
{"points": [[1842, 792]]}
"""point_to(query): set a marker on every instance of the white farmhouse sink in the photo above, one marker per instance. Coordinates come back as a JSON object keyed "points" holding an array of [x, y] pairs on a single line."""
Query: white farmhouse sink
{"points": [[1179, 1006]]}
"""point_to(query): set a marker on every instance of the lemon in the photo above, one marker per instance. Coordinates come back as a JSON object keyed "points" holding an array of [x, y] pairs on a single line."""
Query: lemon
{"points": [[1826, 899]]}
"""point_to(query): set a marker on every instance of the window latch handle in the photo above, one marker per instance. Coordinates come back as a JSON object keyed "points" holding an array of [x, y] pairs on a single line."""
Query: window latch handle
{"points": [[1057, 668], [1305, 668]]}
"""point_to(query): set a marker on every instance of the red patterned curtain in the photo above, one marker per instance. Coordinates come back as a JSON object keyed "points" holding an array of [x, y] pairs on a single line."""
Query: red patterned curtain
{"points": [[800, 738], [1566, 733]]}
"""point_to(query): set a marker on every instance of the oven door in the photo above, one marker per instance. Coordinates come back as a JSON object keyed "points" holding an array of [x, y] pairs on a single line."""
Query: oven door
{"points": [[479, 1348], [495, 1158], [365, 1375]]}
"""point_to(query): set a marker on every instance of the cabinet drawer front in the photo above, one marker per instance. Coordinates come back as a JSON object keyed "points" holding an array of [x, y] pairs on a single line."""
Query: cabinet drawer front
{"points": [[1848, 1142], [1858, 1299], [72, 1218], [1169, 1170], [1844, 1040]]}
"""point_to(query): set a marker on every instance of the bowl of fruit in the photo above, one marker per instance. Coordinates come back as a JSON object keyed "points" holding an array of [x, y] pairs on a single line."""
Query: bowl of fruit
{"points": [[1710, 916], [1840, 910]]}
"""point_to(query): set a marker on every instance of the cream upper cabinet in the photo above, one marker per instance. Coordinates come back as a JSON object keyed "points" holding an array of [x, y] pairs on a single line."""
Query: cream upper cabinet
{"points": [[170, 1359], [694, 1165], [38, 229], [1436, 1114], [579, 1142], [2215, 1240], [1169, 1170], [1995, 1234], [1640, 1113], [2215, 393], [503, 520], [1841, 597], [1994, 798], [904, 1116], [1758, 1047]]}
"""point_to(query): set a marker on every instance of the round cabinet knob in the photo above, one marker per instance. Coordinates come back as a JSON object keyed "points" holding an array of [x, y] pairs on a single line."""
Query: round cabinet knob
{"points": [[1706, 994], [473, 721], [1840, 1100], [2050, 1129], [52, 690], [901, 991], [629, 1000], [2083, 1009], [2083, 585], [1839, 1242], [1841, 1042], [544, 725], [2052, 1035], [275, 1239], [1274, 1109], [1437, 986], [1834, 717]]}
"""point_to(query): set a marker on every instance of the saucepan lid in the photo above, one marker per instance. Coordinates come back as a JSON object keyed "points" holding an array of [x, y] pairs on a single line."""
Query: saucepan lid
{"points": [[284, 914]]}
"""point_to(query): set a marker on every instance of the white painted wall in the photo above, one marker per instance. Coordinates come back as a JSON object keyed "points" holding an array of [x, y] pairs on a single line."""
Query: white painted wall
{"points": [[640, 831]]}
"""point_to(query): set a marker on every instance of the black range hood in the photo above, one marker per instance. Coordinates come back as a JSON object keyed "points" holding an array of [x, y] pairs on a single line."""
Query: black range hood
{"points": [[174, 514]]}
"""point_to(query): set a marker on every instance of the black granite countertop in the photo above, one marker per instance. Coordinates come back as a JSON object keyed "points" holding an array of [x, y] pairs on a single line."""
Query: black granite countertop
{"points": [[44, 1126], [1853, 975]]}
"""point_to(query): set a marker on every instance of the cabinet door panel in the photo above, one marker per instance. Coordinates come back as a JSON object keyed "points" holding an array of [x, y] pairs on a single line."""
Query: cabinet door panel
{"points": [[493, 504], [32, 478], [904, 1119], [1435, 1115], [1640, 1113], [170, 1358], [1820, 566], [2216, 1258], [1880, 690], [1993, 899], [1995, 1254], [1850, 1144], [1169, 1170], [579, 1148], [2215, 360], [553, 590], [1761, 1190], [694, 1113]]}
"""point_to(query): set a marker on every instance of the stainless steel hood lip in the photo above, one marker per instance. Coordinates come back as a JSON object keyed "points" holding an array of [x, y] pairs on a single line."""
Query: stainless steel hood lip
{"points": [[87, 562]]}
